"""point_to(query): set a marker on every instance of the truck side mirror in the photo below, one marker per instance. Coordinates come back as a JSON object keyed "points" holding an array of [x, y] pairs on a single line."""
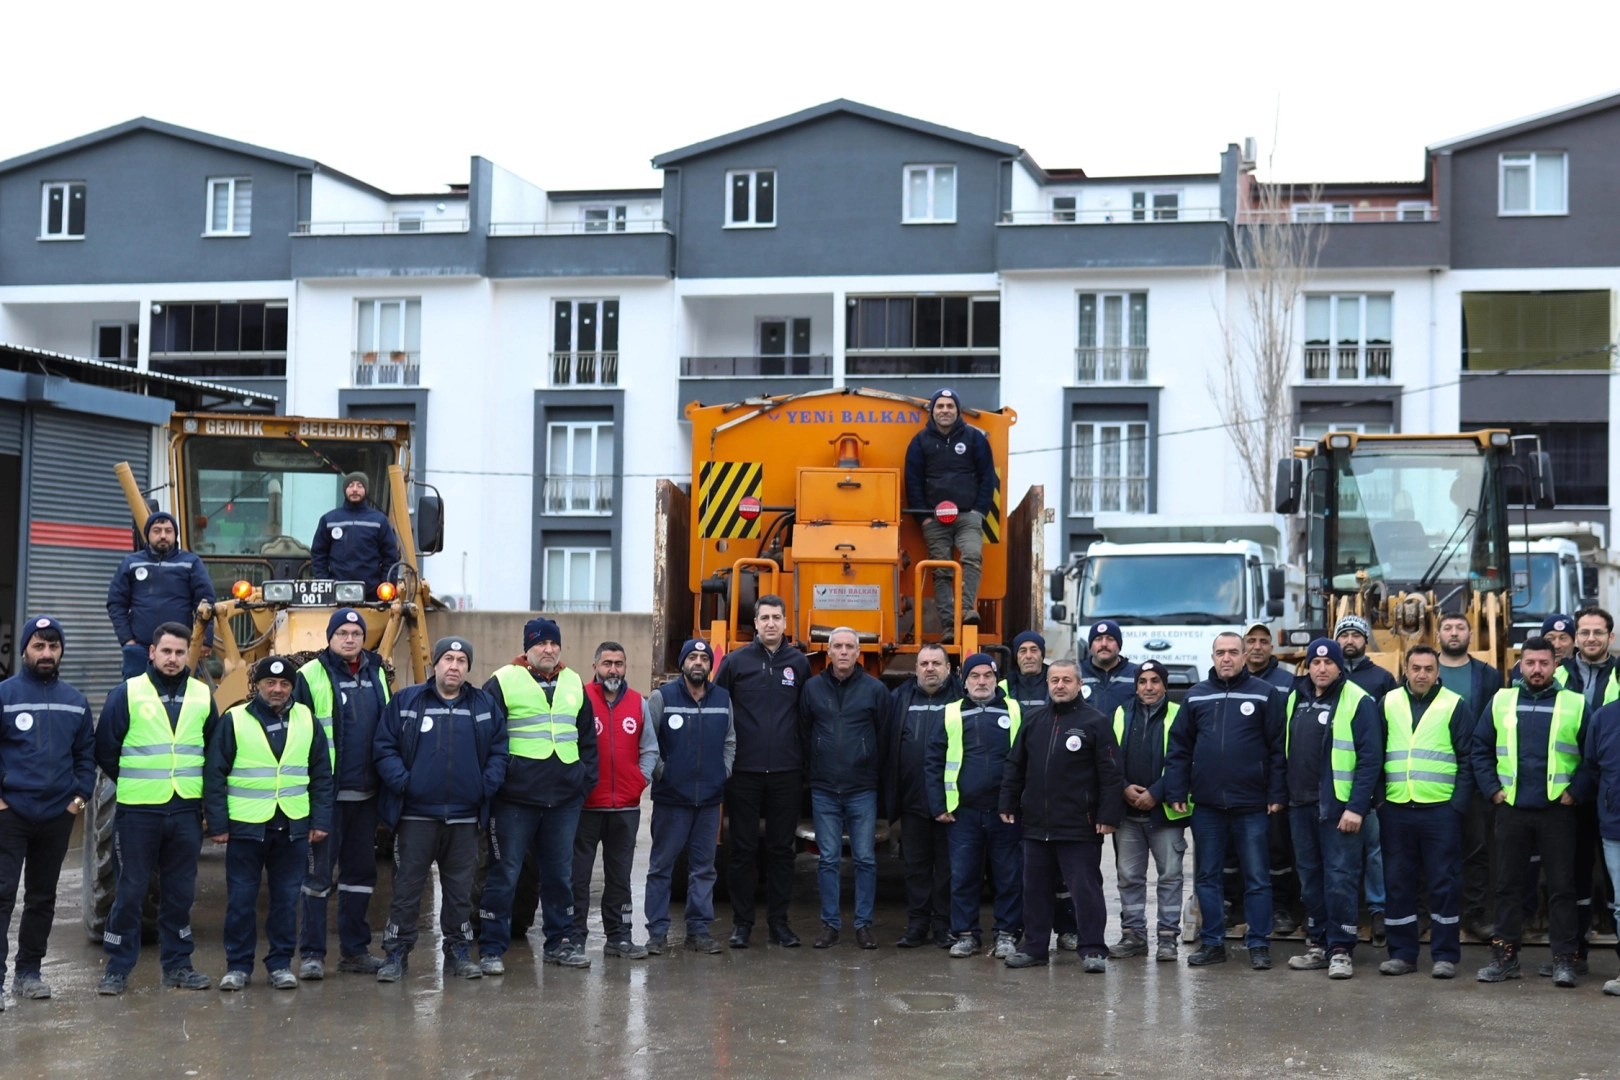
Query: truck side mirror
{"points": [[1521, 581], [1055, 586], [429, 525], [1290, 481], [1543, 492], [1274, 608], [1276, 584], [1060, 613]]}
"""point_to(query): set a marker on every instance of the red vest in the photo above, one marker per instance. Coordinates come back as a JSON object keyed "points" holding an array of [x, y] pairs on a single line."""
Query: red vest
{"points": [[618, 750]]}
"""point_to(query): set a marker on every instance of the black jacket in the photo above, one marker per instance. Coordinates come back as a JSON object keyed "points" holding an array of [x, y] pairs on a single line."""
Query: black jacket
{"points": [[1226, 748], [913, 718], [1153, 742], [1371, 678], [1365, 732], [958, 467], [1063, 778], [354, 542], [986, 741], [1028, 690], [436, 777], [765, 688], [845, 725], [221, 756], [114, 725], [47, 741]]}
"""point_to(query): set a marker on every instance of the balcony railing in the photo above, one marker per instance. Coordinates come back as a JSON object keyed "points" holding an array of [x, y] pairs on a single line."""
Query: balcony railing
{"points": [[1111, 363], [1109, 215], [1336, 215], [387, 369], [579, 494], [577, 228], [1108, 494], [575, 605], [584, 369], [1347, 361], [407, 227], [755, 367]]}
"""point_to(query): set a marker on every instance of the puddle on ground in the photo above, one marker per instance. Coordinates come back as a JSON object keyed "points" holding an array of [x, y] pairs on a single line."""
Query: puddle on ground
{"points": [[928, 1002]]}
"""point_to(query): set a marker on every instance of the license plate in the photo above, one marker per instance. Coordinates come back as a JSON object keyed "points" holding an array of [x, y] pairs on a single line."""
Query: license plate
{"points": [[314, 593]]}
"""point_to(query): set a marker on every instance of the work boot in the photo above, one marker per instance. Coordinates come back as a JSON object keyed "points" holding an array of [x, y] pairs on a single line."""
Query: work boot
{"points": [[1340, 966], [394, 968], [1504, 964], [1396, 967], [970, 619], [568, 955], [1612, 988], [703, 943], [1095, 965], [1006, 945], [283, 979], [915, 937], [1380, 936], [360, 963], [739, 936], [112, 985], [1547, 966], [1564, 971], [1206, 955], [234, 980], [1024, 960], [461, 964], [1477, 929], [657, 944], [942, 937], [1167, 948], [966, 945], [865, 938], [491, 965], [30, 987], [1068, 942], [1443, 969], [782, 934], [1260, 959], [1314, 958], [1282, 923], [629, 950], [313, 969], [1130, 943], [186, 979], [827, 938]]}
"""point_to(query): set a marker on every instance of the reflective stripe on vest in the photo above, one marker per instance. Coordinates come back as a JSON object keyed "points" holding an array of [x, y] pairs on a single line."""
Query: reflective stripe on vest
{"points": [[1563, 741], [1342, 755], [1169, 718], [159, 761], [1419, 766], [953, 743], [257, 782], [535, 727], [323, 698]]}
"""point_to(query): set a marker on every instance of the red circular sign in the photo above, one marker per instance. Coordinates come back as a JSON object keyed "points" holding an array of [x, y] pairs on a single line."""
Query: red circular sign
{"points": [[946, 512], [748, 508]]}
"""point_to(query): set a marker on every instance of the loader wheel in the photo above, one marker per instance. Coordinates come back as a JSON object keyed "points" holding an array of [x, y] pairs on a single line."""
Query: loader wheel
{"points": [[100, 883]]}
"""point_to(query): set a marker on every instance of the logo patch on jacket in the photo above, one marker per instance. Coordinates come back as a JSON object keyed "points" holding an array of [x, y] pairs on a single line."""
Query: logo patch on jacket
{"points": [[1073, 742], [140, 573], [1247, 708], [787, 677], [337, 532], [960, 448], [630, 724], [25, 721]]}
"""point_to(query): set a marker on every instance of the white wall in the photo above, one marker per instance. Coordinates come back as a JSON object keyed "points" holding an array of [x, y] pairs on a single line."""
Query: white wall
{"points": [[65, 328], [726, 326], [332, 199], [642, 208], [512, 198]]}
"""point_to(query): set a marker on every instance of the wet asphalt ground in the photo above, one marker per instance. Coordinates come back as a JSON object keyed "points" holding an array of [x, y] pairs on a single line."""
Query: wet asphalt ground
{"points": [[772, 1012]]}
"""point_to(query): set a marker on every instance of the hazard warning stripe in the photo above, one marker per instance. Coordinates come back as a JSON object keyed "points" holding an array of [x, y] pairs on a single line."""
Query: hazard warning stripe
{"points": [[66, 534], [992, 520], [722, 485]]}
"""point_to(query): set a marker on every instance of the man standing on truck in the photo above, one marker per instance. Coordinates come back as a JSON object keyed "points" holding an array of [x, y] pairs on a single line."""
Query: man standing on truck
{"points": [[346, 689], [764, 678], [356, 541], [950, 461], [918, 711], [1353, 634], [1475, 682], [161, 583]]}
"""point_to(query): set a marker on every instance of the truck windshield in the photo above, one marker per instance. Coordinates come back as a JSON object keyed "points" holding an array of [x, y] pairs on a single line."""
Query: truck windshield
{"points": [[1409, 511], [257, 497], [1541, 599], [1195, 588]]}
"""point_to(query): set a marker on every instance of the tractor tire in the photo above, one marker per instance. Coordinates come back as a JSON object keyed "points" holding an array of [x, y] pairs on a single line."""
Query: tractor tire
{"points": [[100, 884]]}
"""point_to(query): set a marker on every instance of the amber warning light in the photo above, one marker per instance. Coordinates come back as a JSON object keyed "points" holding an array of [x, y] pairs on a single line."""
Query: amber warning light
{"points": [[386, 591], [242, 590]]}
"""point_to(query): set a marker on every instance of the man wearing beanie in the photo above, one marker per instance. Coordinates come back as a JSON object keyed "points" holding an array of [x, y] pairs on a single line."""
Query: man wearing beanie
{"points": [[1353, 634], [552, 729], [1026, 683], [1109, 679], [917, 712], [949, 460], [346, 689], [967, 756], [440, 752], [161, 583], [1335, 752], [267, 789], [1559, 632], [356, 541], [691, 719], [47, 761]]}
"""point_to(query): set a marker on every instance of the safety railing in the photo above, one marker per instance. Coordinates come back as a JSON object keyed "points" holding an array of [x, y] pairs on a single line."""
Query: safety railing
{"points": [[387, 368], [1111, 363]]}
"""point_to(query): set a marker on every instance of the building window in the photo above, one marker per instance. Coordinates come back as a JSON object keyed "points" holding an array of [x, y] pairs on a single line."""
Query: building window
{"points": [[585, 343], [388, 343], [1155, 205], [923, 335], [1414, 211], [578, 579], [1547, 331], [1580, 460], [247, 338], [750, 198], [1304, 213], [1113, 343], [410, 221], [1315, 429], [116, 342], [1064, 207], [61, 211], [1536, 182], [605, 218], [230, 206], [930, 194], [1347, 336], [579, 468], [1108, 468]]}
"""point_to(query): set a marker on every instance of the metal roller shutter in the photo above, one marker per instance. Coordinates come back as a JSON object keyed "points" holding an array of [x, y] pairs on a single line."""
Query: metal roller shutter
{"points": [[79, 531], [11, 429]]}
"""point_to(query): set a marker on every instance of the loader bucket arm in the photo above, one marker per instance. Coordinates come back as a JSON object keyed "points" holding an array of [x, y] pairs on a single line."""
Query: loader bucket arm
{"points": [[411, 603]]}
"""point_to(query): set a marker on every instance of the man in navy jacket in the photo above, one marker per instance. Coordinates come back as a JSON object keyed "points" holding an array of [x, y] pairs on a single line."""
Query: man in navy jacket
{"points": [[1602, 754], [161, 583], [1476, 682], [950, 461], [441, 756], [47, 762], [356, 541]]}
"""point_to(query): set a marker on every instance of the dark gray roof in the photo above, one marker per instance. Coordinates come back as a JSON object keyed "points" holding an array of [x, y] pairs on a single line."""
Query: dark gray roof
{"points": [[842, 105], [143, 123], [187, 394], [1528, 123]]}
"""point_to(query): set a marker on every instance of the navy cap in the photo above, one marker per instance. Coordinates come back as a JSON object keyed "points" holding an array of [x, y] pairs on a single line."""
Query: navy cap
{"points": [[540, 629], [1557, 624], [343, 616], [452, 644], [1325, 647], [1157, 668], [274, 667], [1029, 635], [1108, 627], [35, 625], [696, 645], [977, 660]]}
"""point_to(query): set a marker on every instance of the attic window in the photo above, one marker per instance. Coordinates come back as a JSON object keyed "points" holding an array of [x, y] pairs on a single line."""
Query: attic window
{"points": [[750, 198], [230, 206], [61, 211]]}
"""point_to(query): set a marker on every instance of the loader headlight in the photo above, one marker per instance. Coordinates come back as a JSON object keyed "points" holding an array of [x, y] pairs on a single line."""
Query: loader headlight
{"points": [[349, 592], [278, 592]]}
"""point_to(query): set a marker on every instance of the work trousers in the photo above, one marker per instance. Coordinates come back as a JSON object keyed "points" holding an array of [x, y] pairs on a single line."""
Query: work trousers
{"points": [[925, 843], [1134, 840], [1519, 834], [417, 846], [247, 863], [514, 828], [696, 831], [1080, 864], [31, 854], [349, 853], [965, 536], [1478, 856], [1423, 843], [975, 834], [615, 832], [1372, 841], [1343, 856], [144, 841], [1308, 860], [1213, 832], [771, 797]]}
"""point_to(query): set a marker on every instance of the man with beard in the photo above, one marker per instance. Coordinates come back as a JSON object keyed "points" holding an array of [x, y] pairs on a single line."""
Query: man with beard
{"points": [[1475, 682], [1353, 634], [949, 460], [161, 583], [354, 542], [1285, 886], [47, 760], [918, 711]]}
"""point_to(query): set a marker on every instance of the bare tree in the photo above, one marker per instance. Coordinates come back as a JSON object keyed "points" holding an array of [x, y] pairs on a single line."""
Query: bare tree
{"points": [[1276, 252]]}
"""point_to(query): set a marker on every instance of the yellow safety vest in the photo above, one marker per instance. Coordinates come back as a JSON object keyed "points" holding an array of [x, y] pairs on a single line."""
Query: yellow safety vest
{"points": [[1563, 741], [1419, 766], [1169, 718], [160, 761], [953, 743], [1342, 756], [324, 697], [537, 728], [257, 781]]}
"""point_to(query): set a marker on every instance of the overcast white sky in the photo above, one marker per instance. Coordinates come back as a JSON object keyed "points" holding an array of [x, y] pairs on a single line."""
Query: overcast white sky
{"points": [[574, 96]]}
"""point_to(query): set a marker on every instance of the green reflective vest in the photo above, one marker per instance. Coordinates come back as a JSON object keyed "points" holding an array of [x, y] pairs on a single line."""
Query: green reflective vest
{"points": [[953, 744], [1561, 675], [1170, 712], [535, 727], [1563, 741], [1342, 757], [1419, 766], [158, 761], [257, 782], [323, 696]]}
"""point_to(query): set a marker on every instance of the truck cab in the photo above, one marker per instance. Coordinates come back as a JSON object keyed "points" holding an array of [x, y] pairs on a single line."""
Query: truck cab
{"points": [[1546, 580]]}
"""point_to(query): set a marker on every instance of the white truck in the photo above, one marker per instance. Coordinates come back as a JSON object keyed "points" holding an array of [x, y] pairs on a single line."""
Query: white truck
{"points": [[1560, 566], [1173, 584]]}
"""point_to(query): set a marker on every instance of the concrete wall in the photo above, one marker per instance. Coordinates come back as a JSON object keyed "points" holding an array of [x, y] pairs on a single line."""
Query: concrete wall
{"points": [[497, 637]]}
